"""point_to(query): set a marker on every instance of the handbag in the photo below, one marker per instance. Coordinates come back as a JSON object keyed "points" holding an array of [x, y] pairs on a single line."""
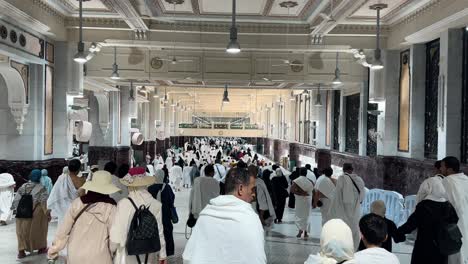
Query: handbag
{"points": [[191, 221]]}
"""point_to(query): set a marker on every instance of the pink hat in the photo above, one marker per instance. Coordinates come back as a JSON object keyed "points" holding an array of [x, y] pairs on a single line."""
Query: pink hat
{"points": [[137, 177]]}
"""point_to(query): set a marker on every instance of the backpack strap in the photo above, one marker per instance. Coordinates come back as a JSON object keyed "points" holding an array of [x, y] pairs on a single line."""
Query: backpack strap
{"points": [[78, 216], [355, 185], [133, 203]]}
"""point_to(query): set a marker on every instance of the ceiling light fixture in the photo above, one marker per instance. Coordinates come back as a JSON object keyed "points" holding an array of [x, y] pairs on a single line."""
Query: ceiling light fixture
{"points": [[337, 79], [115, 68], [226, 95], [80, 56], [378, 64], [318, 98], [233, 46]]}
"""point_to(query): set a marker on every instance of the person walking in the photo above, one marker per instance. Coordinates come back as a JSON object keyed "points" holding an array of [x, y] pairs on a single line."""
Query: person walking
{"points": [[137, 183], [88, 219], [31, 219], [164, 194]]}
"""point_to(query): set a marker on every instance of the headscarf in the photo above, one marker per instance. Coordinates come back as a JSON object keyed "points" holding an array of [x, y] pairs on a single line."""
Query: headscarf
{"points": [[435, 190], [44, 172], [378, 208], [35, 176], [336, 244], [159, 175]]}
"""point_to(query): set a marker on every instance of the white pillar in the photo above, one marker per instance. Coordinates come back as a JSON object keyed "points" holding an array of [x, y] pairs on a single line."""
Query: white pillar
{"points": [[450, 92]]}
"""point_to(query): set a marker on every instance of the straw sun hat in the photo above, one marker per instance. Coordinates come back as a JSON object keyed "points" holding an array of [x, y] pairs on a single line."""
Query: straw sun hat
{"points": [[137, 177], [101, 183]]}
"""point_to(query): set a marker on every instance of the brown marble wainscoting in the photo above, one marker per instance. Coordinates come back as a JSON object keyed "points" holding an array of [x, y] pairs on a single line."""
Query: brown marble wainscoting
{"points": [[101, 155], [297, 149], [20, 169], [147, 147], [280, 149]]}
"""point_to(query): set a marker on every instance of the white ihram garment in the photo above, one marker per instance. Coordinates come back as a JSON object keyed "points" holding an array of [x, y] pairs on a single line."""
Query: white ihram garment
{"points": [[346, 203], [6, 196], [228, 231], [175, 176], [186, 176], [326, 186], [303, 203], [62, 195]]}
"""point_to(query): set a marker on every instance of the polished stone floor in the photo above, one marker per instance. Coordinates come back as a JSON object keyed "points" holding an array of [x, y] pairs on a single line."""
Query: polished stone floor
{"points": [[281, 244]]}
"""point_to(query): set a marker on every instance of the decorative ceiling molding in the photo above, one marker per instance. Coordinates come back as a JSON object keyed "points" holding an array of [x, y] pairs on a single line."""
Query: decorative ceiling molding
{"points": [[429, 7], [340, 12], [433, 31], [128, 13], [268, 6], [62, 6], [14, 14]]}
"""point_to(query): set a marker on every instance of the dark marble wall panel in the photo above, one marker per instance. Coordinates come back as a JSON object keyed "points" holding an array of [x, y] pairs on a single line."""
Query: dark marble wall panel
{"points": [[336, 119], [323, 159], [146, 147], [20, 169], [280, 149], [367, 167], [298, 149], [98, 155], [431, 100], [352, 123], [268, 148]]}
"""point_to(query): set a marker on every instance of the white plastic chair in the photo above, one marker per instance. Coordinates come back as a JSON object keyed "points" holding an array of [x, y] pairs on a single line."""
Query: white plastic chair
{"points": [[394, 203], [410, 206], [371, 196]]}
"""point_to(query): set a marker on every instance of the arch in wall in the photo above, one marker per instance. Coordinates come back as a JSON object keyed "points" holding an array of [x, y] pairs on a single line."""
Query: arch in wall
{"points": [[103, 111], [16, 94]]}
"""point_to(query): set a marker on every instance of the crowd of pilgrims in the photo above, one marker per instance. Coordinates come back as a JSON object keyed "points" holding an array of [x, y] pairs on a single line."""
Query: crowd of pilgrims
{"points": [[235, 197]]}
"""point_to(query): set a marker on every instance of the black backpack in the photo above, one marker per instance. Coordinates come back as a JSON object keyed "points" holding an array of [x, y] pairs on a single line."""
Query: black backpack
{"points": [[25, 207], [143, 234], [448, 237]]}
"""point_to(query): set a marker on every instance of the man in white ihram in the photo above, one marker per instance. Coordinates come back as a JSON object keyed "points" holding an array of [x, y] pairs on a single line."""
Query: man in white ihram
{"points": [[346, 204], [228, 230]]}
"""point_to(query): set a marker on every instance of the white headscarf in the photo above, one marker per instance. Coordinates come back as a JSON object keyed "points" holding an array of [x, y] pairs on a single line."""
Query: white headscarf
{"points": [[336, 244], [435, 190]]}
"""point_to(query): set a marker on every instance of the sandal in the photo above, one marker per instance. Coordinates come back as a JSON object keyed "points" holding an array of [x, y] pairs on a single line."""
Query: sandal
{"points": [[21, 255]]}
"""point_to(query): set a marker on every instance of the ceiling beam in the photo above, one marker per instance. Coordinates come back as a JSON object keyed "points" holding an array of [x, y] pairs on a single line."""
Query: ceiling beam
{"points": [[340, 13], [129, 14]]}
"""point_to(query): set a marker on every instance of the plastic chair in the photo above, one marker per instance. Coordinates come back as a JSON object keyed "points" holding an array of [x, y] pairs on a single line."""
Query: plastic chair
{"points": [[371, 196], [394, 203], [410, 206]]}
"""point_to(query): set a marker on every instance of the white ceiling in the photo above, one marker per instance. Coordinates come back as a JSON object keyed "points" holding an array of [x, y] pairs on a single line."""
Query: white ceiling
{"points": [[366, 12], [277, 10], [244, 7], [89, 5]]}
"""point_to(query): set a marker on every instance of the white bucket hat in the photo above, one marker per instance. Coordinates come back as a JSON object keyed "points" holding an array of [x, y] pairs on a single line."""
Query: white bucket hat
{"points": [[101, 183]]}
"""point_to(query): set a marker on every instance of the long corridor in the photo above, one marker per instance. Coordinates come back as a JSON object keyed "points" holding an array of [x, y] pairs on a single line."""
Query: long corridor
{"points": [[281, 245]]}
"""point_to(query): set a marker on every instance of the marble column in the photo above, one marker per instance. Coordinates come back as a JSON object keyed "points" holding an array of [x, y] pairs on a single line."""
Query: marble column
{"points": [[450, 92], [321, 118], [387, 123], [417, 102], [364, 94], [68, 84]]}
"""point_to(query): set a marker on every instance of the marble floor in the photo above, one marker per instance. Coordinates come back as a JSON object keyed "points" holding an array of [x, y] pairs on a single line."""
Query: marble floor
{"points": [[281, 244]]}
